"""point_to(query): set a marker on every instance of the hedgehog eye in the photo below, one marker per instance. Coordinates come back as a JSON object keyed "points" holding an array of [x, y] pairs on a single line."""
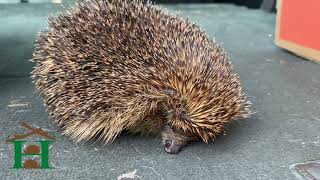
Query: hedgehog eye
{"points": [[179, 105]]}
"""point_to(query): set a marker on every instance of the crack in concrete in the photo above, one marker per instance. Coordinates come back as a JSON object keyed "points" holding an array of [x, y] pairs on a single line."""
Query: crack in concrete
{"points": [[154, 171]]}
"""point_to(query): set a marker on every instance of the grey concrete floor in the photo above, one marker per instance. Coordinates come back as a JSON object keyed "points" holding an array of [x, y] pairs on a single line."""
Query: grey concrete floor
{"points": [[284, 90]]}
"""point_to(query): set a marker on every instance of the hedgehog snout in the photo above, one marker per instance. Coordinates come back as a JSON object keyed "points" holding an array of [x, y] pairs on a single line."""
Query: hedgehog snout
{"points": [[172, 140], [171, 147]]}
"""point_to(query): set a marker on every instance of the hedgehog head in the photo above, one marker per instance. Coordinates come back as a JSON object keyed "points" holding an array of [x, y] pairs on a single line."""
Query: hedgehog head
{"points": [[180, 130], [200, 113], [174, 139]]}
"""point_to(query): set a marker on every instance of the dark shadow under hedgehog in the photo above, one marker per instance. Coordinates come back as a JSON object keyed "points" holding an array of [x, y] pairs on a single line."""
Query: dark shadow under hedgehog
{"points": [[108, 66]]}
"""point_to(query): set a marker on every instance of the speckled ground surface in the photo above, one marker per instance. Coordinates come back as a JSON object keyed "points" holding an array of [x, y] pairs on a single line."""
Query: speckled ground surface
{"points": [[283, 88]]}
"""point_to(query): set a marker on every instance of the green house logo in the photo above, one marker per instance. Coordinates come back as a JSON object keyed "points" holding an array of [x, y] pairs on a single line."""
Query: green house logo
{"points": [[40, 148]]}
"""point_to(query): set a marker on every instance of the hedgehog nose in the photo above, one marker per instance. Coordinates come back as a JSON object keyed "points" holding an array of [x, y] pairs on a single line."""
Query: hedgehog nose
{"points": [[167, 144], [170, 147]]}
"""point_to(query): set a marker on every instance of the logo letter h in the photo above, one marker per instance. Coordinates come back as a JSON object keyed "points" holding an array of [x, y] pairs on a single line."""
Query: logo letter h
{"points": [[18, 154]]}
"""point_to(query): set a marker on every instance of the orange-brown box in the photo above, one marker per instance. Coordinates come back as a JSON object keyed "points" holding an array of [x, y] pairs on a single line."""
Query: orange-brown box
{"points": [[298, 27]]}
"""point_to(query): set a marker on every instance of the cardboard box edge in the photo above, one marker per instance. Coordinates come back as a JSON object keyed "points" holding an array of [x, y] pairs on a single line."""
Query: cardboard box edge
{"points": [[304, 52]]}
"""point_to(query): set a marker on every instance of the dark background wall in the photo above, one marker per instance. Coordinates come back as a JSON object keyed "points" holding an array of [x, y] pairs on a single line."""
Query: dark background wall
{"points": [[248, 3]]}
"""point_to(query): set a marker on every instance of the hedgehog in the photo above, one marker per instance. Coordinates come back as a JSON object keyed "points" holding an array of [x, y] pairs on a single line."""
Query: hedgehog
{"points": [[110, 66]]}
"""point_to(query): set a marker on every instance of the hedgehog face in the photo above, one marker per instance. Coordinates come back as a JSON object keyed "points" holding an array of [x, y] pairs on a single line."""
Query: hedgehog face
{"points": [[174, 140]]}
